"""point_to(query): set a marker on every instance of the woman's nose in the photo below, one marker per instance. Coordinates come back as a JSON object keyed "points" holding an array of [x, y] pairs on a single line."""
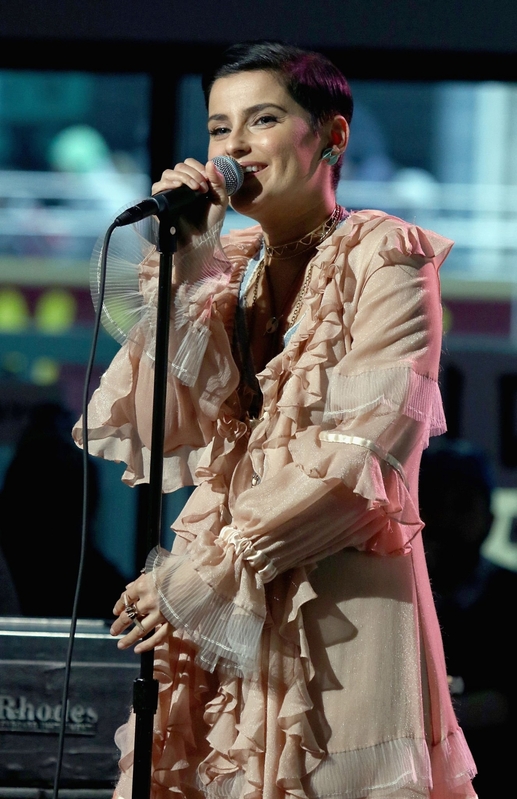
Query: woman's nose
{"points": [[237, 144]]}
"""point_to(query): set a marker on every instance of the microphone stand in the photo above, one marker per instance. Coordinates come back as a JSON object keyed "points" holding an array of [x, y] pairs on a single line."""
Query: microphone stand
{"points": [[145, 687], [166, 206]]}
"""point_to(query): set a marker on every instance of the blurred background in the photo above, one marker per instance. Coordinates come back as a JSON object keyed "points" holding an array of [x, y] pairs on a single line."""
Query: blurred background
{"points": [[96, 99]]}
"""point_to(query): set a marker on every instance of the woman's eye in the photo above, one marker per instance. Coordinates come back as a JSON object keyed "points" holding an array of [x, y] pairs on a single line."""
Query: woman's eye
{"points": [[266, 119], [218, 131]]}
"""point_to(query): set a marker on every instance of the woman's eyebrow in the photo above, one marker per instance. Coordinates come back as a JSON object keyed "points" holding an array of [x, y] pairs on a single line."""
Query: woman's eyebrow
{"points": [[253, 109]]}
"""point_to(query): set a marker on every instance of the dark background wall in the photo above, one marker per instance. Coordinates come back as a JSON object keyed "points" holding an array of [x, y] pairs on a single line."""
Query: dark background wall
{"points": [[472, 36], [406, 24]]}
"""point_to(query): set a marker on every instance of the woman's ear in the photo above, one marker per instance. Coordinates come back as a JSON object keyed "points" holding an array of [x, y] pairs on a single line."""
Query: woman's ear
{"points": [[338, 134], [334, 135]]}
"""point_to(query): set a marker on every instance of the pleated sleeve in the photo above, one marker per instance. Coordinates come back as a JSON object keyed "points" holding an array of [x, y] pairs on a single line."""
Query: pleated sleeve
{"points": [[202, 374]]}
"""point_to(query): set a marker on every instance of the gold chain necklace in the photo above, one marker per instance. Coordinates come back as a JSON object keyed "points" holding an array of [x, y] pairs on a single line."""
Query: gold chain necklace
{"points": [[306, 242], [301, 296], [310, 240]]}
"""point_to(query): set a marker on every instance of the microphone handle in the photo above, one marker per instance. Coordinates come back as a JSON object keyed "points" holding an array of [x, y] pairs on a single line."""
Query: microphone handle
{"points": [[166, 201]]}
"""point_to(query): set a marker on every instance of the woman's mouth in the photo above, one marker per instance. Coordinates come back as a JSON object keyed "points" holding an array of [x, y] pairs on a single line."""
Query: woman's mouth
{"points": [[252, 168]]}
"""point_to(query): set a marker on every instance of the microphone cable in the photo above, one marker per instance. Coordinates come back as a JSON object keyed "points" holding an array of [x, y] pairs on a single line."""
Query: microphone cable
{"points": [[84, 520], [166, 201]]}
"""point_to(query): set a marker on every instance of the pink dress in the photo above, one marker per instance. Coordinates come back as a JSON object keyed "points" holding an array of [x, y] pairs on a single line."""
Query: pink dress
{"points": [[306, 658]]}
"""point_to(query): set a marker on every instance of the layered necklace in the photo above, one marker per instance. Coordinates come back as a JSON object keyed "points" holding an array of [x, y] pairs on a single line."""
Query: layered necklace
{"points": [[284, 252], [295, 297]]}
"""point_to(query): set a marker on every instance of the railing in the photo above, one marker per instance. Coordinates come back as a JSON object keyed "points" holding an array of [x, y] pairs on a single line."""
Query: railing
{"points": [[480, 219], [50, 221], [52, 217]]}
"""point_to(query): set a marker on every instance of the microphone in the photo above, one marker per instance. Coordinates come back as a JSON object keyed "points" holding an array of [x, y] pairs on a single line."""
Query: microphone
{"points": [[176, 199]]}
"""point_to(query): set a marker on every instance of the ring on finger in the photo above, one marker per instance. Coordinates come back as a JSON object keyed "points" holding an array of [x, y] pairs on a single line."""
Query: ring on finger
{"points": [[130, 607], [128, 602], [138, 624], [132, 612]]}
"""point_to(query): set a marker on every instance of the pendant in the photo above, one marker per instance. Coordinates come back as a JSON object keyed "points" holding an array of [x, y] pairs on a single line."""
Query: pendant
{"points": [[272, 325], [255, 479]]}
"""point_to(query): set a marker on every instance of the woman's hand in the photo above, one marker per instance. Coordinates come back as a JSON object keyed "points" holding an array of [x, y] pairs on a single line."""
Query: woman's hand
{"points": [[141, 600], [206, 179]]}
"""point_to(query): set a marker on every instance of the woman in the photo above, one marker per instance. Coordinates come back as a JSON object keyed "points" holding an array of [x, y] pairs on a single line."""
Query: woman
{"points": [[296, 641]]}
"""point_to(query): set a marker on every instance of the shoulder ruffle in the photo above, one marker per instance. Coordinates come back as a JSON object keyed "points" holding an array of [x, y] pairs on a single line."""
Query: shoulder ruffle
{"points": [[323, 338], [394, 240], [402, 242]]}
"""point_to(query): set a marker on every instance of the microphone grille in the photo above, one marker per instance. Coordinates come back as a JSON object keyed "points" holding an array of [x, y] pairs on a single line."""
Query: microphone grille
{"points": [[232, 172]]}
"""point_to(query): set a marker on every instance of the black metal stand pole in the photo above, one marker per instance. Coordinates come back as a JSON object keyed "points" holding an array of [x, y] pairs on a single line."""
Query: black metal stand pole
{"points": [[145, 687]]}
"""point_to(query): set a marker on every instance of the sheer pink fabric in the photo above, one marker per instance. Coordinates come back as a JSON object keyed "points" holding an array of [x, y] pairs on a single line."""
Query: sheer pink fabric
{"points": [[306, 659]]}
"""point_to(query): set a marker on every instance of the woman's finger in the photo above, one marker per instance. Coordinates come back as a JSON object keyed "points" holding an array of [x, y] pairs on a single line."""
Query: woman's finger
{"points": [[143, 627], [190, 173], [157, 638], [128, 597], [217, 183], [120, 604], [120, 624], [137, 608]]}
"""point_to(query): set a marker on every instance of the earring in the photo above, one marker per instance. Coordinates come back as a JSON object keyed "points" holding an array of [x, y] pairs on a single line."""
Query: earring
{"points": [[330, 156]]}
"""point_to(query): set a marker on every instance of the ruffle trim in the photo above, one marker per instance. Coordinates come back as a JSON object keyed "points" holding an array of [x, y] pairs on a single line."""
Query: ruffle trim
{"points": [[197, 258], [242, 242], [368, 476], [257, 559], [337, 266], [113, 430], [396, 389], [375, 771], [453, 768], [384, 487], [239, 715], [401, 768], [236, 720], [226, 631], [182, 684], [122, 444], [189, 357]]}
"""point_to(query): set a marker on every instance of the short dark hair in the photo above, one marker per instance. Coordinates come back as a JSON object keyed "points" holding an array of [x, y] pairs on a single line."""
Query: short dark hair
{"points": [[313, 81]]}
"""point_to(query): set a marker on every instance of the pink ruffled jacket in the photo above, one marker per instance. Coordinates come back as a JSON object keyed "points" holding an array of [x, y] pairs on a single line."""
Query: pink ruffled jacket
{"points": [[306, 658]]}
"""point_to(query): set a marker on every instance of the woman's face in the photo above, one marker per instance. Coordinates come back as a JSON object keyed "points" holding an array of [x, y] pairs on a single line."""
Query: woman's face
{"points": [[253, 118]]}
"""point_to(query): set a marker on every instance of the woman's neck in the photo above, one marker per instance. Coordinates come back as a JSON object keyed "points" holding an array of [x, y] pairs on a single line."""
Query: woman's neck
{"points": [[290, 227]]}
